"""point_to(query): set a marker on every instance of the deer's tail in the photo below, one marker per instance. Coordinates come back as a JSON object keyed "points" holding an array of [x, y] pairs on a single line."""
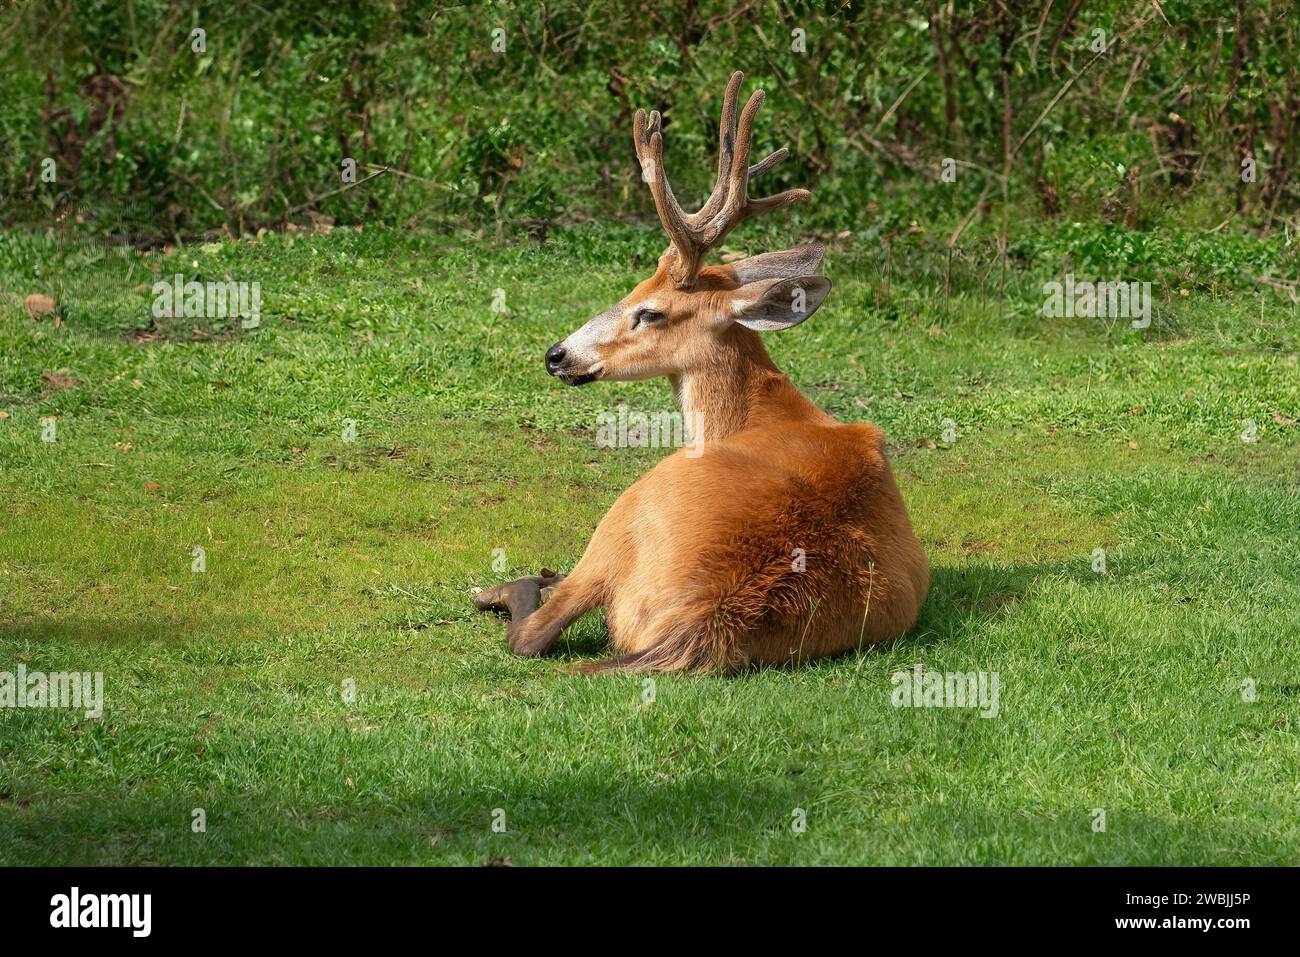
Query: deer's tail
{"points": [[689, 647]]}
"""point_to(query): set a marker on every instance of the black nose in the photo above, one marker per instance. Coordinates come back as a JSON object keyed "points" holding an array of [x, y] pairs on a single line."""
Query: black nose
{"points": [[555, 357]]}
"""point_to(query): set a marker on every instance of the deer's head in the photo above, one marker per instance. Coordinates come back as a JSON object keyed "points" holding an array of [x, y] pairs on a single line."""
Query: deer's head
{"points": [[670, 322]]}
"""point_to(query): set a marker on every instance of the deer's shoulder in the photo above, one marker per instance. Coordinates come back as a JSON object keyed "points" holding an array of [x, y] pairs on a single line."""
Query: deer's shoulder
{"points": [[826, 451]]}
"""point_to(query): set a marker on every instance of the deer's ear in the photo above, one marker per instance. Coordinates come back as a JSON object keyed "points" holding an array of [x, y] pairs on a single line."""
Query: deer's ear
{"points": [[786, 264], [768, 306]]}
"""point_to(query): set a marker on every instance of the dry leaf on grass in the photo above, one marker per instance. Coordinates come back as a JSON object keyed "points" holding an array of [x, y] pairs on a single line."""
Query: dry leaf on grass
{"points": [[38, 305], [57, 380]]}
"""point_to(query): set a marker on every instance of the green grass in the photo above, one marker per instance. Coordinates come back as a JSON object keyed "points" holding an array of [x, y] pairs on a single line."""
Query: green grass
{"points": [[330, 561]]}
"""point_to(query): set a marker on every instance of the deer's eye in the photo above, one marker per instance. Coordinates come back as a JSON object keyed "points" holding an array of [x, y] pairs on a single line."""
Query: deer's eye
{"points": [[645, 315]]}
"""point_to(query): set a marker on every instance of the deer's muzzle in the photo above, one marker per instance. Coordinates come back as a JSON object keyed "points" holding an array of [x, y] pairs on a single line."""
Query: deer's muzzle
{"points": [[559, 363]]}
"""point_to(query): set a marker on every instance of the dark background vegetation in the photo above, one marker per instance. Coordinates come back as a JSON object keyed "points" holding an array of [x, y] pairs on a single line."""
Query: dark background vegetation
{"points": [[156, 141]]}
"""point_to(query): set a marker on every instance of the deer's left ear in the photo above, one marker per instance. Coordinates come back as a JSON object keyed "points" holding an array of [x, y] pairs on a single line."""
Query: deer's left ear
{"points": [[768, 305], [786, 264]]}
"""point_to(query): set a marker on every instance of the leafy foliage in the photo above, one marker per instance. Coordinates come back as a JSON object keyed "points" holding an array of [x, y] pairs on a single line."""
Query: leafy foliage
{"points": [[529, 126]]}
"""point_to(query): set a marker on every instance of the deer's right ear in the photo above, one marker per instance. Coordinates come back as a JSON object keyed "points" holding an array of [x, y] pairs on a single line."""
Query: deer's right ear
{"points": [[780, 304], [786, 264]]}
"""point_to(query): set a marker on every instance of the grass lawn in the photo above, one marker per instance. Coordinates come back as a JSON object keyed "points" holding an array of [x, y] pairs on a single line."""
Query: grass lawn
{"points": [[333, 565]]}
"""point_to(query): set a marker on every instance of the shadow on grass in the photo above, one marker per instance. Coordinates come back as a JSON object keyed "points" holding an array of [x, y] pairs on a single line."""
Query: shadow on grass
{"points": [[597, 814], [966, 597], [598, 817], [119, 631]]}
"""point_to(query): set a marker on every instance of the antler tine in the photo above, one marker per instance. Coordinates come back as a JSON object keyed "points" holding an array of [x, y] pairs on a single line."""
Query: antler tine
{"points": [[765, 164], [649, 143], [726, 148], [693, 234], [787, 198], [720, 223]]}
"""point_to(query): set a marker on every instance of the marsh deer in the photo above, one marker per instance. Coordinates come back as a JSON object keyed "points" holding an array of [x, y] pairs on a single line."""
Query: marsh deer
{"points": [[787, 539]]}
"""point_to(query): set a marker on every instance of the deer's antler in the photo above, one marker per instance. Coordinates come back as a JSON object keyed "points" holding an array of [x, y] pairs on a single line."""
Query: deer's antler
{"points": [[693, 234]]}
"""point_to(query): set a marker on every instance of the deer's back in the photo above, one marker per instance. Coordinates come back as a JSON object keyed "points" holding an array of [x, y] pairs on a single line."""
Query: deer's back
{"points": [[770, 532]]}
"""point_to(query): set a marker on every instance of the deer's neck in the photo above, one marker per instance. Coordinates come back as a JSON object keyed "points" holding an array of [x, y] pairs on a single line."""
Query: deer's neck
{"points": [[737, 386]]}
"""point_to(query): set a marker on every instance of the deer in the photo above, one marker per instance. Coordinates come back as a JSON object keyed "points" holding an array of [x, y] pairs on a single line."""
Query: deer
{"points": [[785, 538]]}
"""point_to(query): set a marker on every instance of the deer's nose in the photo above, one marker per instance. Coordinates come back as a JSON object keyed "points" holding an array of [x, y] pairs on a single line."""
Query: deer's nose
{"points": [[555, 357]]}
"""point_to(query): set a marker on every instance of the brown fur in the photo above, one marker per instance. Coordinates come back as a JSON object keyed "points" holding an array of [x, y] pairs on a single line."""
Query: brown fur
{"points": [[695, 563]]}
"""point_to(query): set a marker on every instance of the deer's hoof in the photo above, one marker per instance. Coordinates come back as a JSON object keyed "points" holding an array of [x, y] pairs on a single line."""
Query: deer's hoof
{"points": [[525, 645]]}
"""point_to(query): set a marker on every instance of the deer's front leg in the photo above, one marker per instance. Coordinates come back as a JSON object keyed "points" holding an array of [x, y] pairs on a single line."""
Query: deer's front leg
{"points": [[535, 633]]}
